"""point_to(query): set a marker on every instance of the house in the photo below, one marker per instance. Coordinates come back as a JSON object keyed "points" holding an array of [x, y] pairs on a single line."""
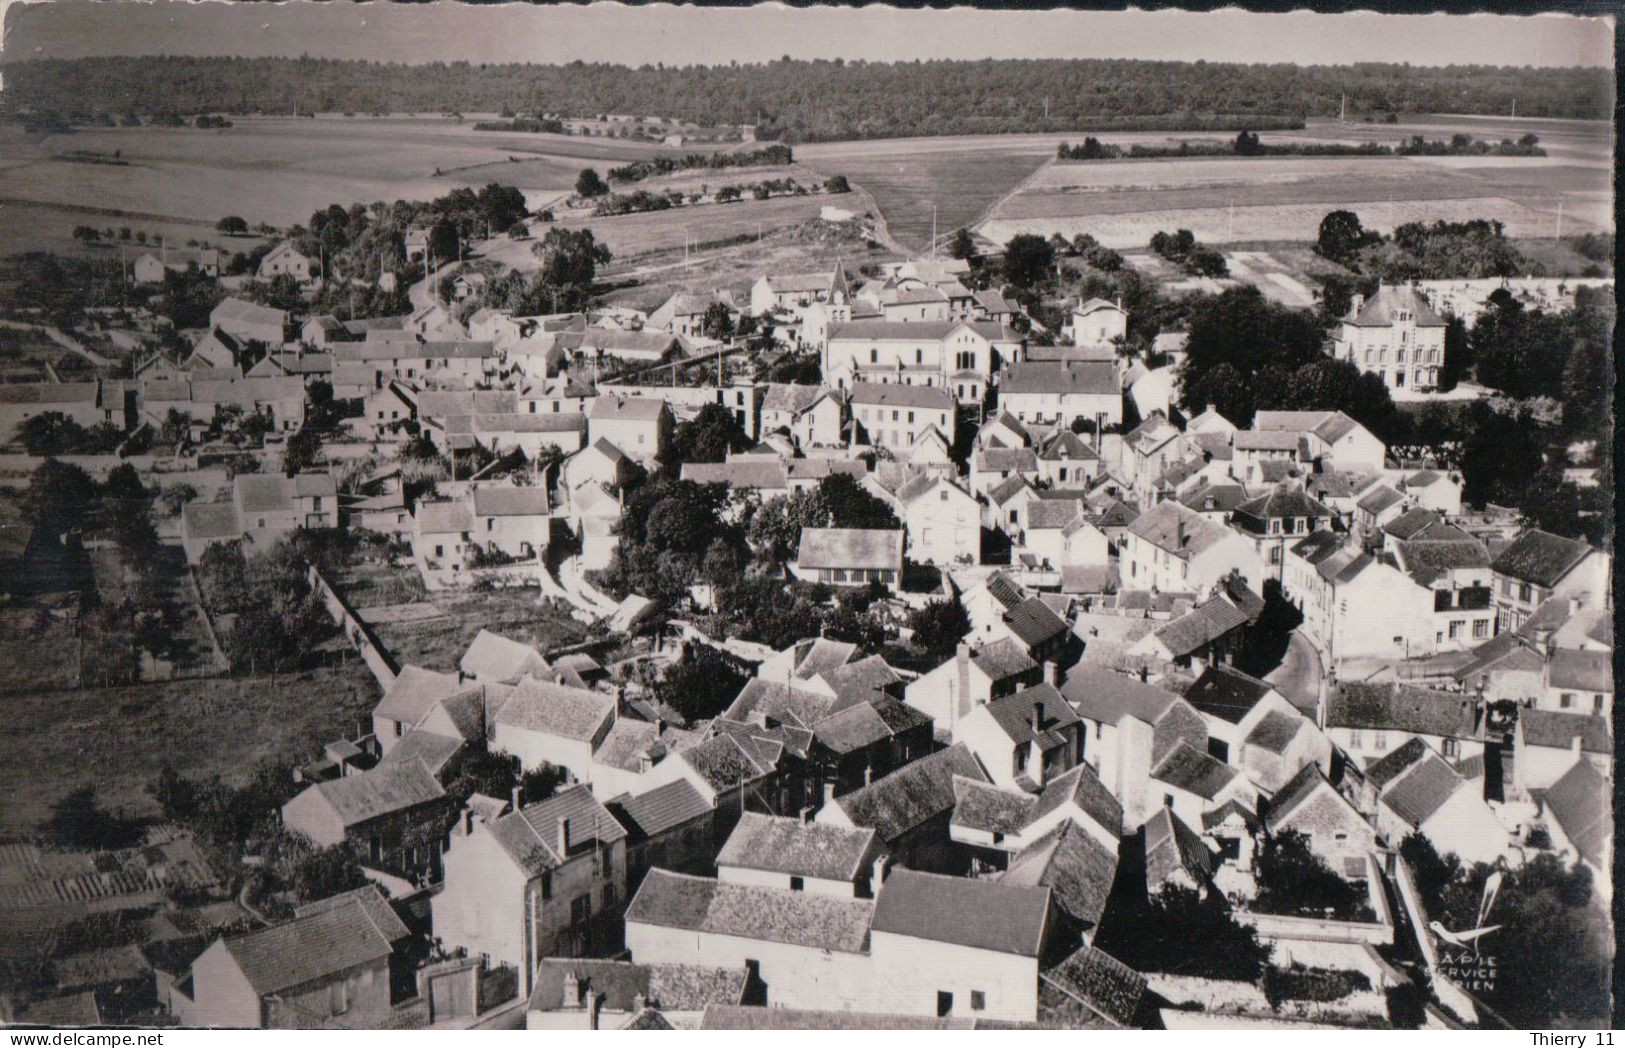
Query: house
{"points": [[1332, 439], [1008, 820], [249, 321], [532, 882], [993, 464], [974, 676], [1065, 459], [1421, 793], [1130, 727], [684, 312], [942, 520], [954, 946], [600, 464], [1580, 681], [408, 700], [640, 427], [1098, 323], [1233, 706], [1277, 519], [1367, 720], [1549, 744], [896, 417], [671, 827], [263, 509], [150, 267], [774, 852], [1176, 854], [1175, 549], [1455, 568], [392, 815], [811, 415], [1579, 818], [578, 993], [957, 357], [1025, 739], [1310, 805], [442, 539], [790, 291], [331, 966], [1361, 605], [1059, 393], [613, 342], [286, 260], [87, 403], [1060, 533], [850, 556], [1538, 565], [511, 520], [910, 810], [1212, 632], [547, 723], [1396, 335], [494, 659], [1190, 782]]}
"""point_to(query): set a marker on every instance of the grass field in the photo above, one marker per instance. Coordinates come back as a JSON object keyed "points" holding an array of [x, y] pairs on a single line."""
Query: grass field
{"points": [[958, 186], [179, 181], [120, 737], [630, 236]]}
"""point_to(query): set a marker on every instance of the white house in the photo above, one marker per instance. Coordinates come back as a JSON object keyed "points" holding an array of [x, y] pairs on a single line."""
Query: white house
{"points": [[771, 851], [1059, 392], [639, 426], [1367, 720], [1176, 550], [958, 356], [1098, 323], [895, 417], [547, 723], [1394, 334], [286, 260], [942, 519]]}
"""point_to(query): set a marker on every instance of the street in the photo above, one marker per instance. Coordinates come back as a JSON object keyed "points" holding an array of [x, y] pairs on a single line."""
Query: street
{"points": [[1298, 676]]}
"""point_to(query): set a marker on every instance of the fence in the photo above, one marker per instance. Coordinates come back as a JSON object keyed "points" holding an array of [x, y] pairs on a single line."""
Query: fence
{"points": [[358, 633]]}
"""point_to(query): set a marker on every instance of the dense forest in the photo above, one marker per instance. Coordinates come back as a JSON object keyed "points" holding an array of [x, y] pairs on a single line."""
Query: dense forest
{"points": [[817, 100]]}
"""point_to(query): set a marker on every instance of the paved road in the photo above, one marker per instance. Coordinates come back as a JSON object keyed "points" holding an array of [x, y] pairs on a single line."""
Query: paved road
{"points": [[1298, 676]]}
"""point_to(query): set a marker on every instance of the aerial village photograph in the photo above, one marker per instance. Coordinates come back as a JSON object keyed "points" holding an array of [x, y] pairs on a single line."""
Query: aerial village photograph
{"points": [[763, 518]]}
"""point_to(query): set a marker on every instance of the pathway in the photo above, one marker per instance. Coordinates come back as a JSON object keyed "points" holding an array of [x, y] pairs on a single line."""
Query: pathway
{"points": [[1298, 676], [62, 339]]}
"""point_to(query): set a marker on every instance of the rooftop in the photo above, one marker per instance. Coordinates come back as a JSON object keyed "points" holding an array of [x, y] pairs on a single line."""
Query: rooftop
{"points": [[655, 811], [804, 849], [898, 802], [701, 904], [1401, 707], [866, 548], [384, 789], [555, 709], [980, 914]]}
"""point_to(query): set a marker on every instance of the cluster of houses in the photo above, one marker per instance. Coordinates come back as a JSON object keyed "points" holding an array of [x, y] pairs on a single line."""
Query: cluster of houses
{"points": [[848, 837]]}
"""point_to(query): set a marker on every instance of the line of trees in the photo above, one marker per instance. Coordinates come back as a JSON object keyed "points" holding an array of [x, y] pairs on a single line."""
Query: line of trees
{"points": [[637, 170], [796, 101], [1247, 144]]}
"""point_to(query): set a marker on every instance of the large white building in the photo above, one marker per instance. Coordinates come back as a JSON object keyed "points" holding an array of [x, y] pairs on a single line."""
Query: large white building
{"points": [[959, 356], [1395, 334]]}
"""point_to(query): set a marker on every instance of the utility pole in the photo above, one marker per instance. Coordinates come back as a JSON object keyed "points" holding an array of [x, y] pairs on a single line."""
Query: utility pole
{"points": [[933, 231], [1514, 109], [1343, 110], [1046, 107], [1560, 218]]}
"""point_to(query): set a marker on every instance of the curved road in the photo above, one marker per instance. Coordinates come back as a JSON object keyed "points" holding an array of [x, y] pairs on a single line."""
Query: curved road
{"points": [[1298, 676]]}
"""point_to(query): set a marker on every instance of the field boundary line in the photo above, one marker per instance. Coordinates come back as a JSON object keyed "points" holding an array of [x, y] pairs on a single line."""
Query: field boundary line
{"points": [[987, 212]]}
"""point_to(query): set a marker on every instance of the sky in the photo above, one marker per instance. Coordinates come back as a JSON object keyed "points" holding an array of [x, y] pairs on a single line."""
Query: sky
{"points": [[611, 32]]}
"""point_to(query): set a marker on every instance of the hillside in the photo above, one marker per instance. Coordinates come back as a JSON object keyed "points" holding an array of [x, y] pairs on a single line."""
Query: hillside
{"points": [[816, 101]]}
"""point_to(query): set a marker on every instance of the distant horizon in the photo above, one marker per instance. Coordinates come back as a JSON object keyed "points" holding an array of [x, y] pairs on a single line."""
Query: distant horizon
{"points": [[616, 34]]}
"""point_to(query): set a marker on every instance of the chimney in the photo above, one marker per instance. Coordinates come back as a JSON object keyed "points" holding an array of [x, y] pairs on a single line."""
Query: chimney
{"points": [[460, 676], [1038, 717], [572, 991], [805, 814], [868, 774], [515, 797], [1145, 675], [1179, 535], [468, 821], [1052, 674], [877, 873], [564, 835], [593, 1007], [829, 793]]}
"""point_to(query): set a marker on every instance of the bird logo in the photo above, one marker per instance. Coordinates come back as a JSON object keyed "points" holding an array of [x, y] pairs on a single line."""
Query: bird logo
{"points": [[1468, 939]]}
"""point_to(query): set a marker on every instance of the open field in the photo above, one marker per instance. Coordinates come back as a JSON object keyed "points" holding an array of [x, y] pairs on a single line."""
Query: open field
{"points": [[960, 186], [120, 737], [629, 236], [1226, 200], [180, 181]]}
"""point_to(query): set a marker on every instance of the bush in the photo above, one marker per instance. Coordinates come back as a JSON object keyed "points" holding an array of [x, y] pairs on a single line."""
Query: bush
{"points": [[1295, 882], [1298, 983]]}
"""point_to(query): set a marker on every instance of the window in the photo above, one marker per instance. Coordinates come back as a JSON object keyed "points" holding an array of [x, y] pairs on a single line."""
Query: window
{"points": [[1524, 592], [945, 1003], [1566, 700], [1481, 628], [1167, 800], [978, 1000], [797, 884], [1021, 759], [1275, 554], [911, 417], [874, 356], [1356, 739], [1456, 628], [1596, 704], [547, 884], [580, 909], [1275, 526], [942, 496], [440, 551], [1379, 741], [1451, 748]]}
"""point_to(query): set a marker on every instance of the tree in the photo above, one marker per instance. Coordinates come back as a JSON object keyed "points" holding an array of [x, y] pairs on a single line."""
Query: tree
{"points": [[60, 498], [326, 872], [1156, 935], [837, 184], [589, 185], [79, 821], [176, 796], [1340, 235], [570, 258], [1240, 328], [1028, 259], [851, 505], [51, 433], [961, 245], [707, 437], [1294, 881], [700, 685], [1458, 354], [443, 240], [541, 782], [939, 627], [717, 322], [232, 226], [301, 450], [1247, 144]]}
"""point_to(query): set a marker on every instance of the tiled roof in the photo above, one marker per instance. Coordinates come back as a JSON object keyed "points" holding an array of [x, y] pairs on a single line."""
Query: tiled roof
{"points": [[1104, 696], [917, 331], [306, 949], [1540, 557], [1558, 730], [554, 709], [1225, 692], [627, 743], [435, 751], [1379, 309], [700, 904], [494, 657], [371, 899], [803, 849], [1015, 715], [1194, 771], [751, 1017], [211, 520], [783, 396], [898, 802], [530, 836], [724, 761], [1101, 983], [981, 914], [754, 476], [1422, 790], [1172, 846], [1202, 625], [1034, 623], [1296, 791], [1426, 560], [1276, 731], [441, 518], [854, 728], [1081, 786], [642, 409], [1161, 526], [896, 395], [1579, 803], [1071, 862], [663, 808], [766, 700], [1061, 378], [867, 548], [1401, 707], [674, 987], [1396, 762], [386, 788], [1003, 460], [1001, 660], [994, 809], [1590, 671]]}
